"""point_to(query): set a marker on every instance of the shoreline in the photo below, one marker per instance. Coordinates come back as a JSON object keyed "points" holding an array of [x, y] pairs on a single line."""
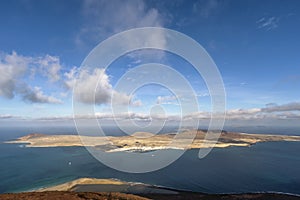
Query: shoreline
{"points": [[67, 185], [117, 181], [49, 187], [144, 142], [85, 187]]}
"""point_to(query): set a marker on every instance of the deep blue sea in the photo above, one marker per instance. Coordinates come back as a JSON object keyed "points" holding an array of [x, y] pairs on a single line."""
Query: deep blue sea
{"points": [[273, 166]]}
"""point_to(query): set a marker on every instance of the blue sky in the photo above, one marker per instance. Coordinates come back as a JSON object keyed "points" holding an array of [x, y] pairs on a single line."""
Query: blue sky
{"points": [[255, 45]]}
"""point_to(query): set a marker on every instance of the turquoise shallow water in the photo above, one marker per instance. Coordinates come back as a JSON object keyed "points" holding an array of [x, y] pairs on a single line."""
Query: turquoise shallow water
{"points": [[273, 166]]}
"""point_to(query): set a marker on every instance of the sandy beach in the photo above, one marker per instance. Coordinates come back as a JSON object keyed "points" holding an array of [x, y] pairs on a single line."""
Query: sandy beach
{"points": [[103, 189]]}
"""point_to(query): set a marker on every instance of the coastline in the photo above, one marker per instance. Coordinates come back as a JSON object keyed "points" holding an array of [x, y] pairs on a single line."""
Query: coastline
{"points": [[93, 188], [107, 185], [142, 142], [71, 186]]}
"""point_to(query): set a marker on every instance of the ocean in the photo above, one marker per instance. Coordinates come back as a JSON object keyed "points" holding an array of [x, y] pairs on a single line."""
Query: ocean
{"points": [[264, 167]]}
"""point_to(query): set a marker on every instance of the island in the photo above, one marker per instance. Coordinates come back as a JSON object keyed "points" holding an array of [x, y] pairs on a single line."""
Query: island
{"points": [[143, 141]]}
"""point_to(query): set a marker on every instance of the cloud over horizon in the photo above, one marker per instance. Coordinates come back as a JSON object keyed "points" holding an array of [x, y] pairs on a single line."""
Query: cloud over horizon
{"points": [[233, 114], [294, 106]]}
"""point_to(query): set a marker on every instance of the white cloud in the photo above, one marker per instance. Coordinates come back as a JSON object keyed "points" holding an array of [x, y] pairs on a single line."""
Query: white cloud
{"points": [[268, 23], [233, 114], [13, 70], [6, 116], [50, 67], [127, 116], [94, 87], [105, 18], [70, 78], [203, 95], [271, 111], [86, 84], [36, 95], [109, 17], [294, 106], [166, 100], [137, 103], [243, 111], [12, 66], [289, 115]]}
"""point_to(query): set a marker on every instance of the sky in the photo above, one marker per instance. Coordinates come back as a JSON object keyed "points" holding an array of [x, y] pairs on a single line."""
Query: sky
{"points": [[255, 45]]}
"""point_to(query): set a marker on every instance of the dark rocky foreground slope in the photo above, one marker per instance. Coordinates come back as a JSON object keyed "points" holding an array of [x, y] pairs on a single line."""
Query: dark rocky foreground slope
{"points": [[68, 195]]}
